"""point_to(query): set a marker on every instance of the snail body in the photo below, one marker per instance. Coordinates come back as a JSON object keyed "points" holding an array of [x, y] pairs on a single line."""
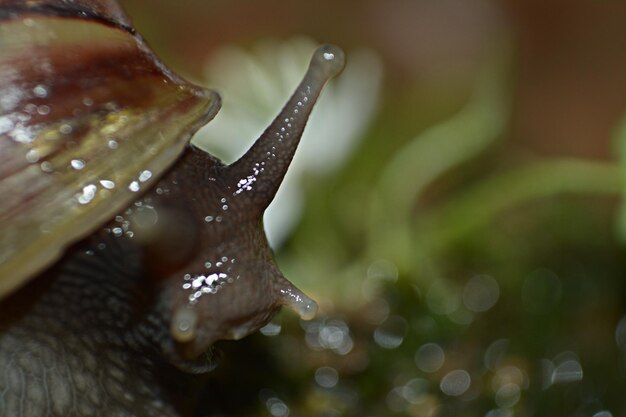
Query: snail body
{"points": [[125, 251]]}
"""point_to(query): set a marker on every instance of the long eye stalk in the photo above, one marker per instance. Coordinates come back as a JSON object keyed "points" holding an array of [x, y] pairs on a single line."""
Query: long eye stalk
{"points": [[261, 170]]}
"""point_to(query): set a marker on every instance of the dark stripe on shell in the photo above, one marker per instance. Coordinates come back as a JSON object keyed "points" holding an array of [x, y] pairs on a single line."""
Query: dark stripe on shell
{"points": [[101, 12]]}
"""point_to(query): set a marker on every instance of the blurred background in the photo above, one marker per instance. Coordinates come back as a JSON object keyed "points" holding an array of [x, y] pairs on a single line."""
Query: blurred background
{"points": [[455, 206]]}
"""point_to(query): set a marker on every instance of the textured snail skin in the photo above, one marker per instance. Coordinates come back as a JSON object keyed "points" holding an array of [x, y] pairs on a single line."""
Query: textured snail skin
{"points": [[130, 310], [92, 333]]}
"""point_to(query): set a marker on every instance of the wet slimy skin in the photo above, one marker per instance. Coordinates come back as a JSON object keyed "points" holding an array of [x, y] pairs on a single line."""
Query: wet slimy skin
{"points": [[134, 305]]}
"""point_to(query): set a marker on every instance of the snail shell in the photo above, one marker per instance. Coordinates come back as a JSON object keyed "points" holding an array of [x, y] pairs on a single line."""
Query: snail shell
{"points": [[86, 109], [93, 124]]}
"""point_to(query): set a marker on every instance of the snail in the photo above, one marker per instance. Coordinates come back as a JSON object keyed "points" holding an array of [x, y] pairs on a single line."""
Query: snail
{"points": [[124, 250]]}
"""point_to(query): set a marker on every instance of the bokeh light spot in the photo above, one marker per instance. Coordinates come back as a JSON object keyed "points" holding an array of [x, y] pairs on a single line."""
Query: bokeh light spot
{"points": [[494, 353], [480, 293], [567, 371], [508, 395], [271, 329], [430, 357], [620, 334], [326, 377], [456, 382], [391, 333]]}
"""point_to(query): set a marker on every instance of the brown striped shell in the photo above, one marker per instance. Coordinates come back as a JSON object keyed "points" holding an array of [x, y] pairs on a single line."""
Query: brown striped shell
{"points": [[75, 150]]}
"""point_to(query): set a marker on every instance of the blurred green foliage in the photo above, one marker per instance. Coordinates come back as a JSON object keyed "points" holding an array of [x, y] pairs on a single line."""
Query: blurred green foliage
{"points": [[396, 249], [445, 248]]}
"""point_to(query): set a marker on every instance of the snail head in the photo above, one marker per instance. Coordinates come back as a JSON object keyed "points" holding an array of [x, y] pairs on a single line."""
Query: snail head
{"points": [[234, 286]]}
